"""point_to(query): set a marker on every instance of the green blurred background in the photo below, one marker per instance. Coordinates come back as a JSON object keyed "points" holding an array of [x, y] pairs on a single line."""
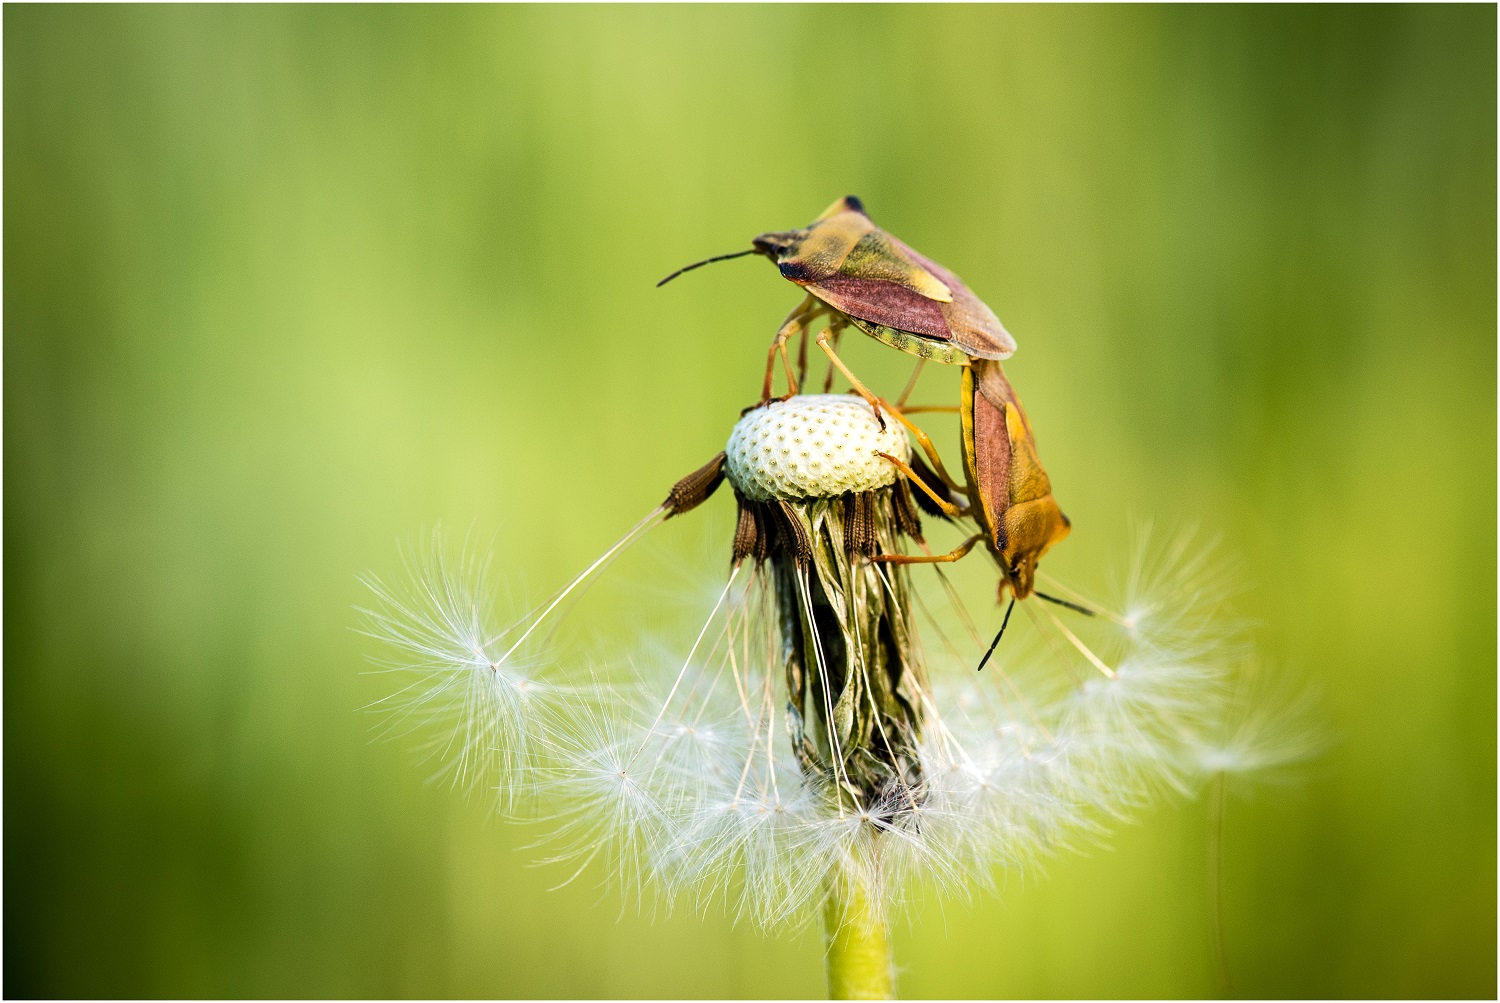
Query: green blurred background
{"points": [[283, 286]]}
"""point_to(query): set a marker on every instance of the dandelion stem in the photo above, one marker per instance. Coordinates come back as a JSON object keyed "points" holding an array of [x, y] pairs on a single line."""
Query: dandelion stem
{"points": [[859, 942], [1216, 875]]}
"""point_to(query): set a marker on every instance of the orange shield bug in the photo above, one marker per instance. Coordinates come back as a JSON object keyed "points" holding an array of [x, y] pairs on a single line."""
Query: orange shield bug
{"points": [[1006, 491], [1009, 492], [857, 274]]}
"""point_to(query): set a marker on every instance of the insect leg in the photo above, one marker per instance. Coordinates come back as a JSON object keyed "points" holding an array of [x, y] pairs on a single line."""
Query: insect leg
{"points": [[778, 347], [765, 390], [795, 322], [859, 387], [951, 510], [792, 386], [802, 358], [835, 332], [926, 444], [958, 553], [911, 384]]}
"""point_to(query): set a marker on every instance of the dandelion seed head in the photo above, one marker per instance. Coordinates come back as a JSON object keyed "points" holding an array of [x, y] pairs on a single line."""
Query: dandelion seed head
{"points": [[812, 446]]}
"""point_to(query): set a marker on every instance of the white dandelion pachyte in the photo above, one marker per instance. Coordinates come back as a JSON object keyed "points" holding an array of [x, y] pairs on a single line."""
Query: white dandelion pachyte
{"points": [[812, 446], [824, 725]]}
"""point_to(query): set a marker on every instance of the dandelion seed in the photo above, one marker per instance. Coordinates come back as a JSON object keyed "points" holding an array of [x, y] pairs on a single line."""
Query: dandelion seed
{"points": [[477, 706]]}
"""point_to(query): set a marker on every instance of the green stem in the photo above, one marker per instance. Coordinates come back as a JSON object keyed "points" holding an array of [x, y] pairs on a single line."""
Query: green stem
{"points": [[859, 943], [1216, 874]]}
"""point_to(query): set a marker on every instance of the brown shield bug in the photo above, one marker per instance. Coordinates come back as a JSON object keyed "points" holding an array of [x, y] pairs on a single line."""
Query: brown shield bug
{"points": [[857, 274], [1006, 492]]}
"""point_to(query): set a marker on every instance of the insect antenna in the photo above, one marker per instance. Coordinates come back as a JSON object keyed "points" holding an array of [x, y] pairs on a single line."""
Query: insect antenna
{"points": [[700, 264], [1003, 623], [1124, 621], [1064, 603]]}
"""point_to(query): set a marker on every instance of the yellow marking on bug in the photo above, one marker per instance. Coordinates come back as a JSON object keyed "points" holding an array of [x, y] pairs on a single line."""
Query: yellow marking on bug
{"points": [[929, 285]]}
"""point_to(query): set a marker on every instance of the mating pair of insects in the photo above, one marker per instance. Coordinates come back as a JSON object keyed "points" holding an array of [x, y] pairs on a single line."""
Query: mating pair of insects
{"points": [[855, 274]]}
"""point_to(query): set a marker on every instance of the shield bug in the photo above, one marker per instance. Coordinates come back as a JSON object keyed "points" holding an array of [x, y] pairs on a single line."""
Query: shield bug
{"points": [[1006, 492], [857, 274]]}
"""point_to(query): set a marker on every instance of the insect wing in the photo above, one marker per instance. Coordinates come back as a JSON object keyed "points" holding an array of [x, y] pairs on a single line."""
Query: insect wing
{"points": [[987, 452], [975, 327], [884, 303], [1027, 518], [852, 265], [880, 256], [878, 282]]}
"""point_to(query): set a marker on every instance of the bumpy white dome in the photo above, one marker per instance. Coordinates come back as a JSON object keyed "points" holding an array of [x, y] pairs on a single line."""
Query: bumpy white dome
{"points": [[813, 446]]}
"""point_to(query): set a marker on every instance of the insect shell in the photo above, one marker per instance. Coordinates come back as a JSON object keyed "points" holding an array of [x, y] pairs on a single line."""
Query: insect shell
{"points": [[885, 288], [1010, 495]]}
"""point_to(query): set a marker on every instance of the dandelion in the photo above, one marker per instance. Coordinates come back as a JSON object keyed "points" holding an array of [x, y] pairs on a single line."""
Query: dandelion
{"points": [[822, 748]]}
